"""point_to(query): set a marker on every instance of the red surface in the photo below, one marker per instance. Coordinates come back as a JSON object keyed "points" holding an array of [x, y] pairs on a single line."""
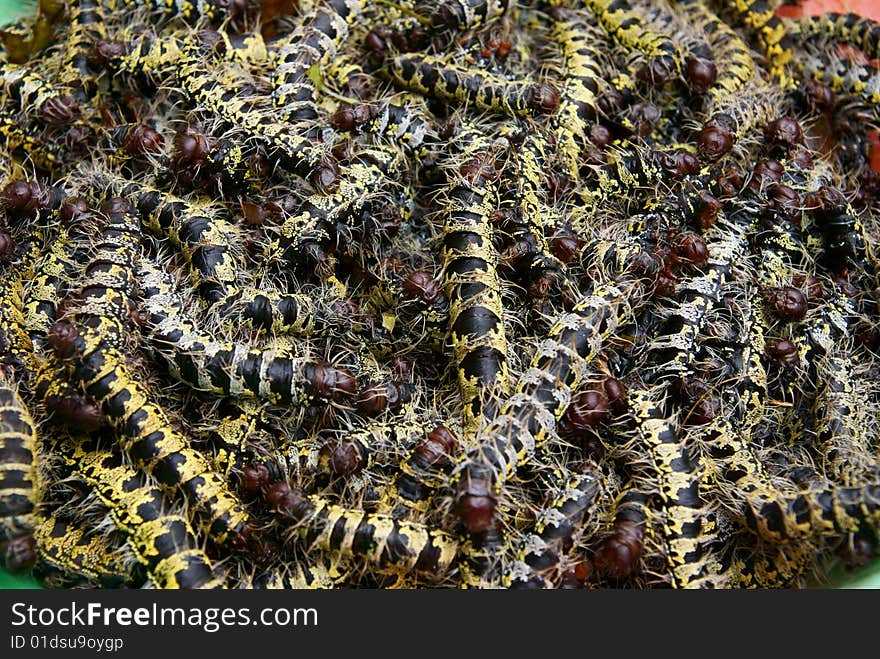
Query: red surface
{"points": [[869, 8]]}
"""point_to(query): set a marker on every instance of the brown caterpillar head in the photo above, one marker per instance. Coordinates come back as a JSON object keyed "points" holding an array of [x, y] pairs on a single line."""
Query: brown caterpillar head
{"points": [[340, 458], [714, 141], [19, 553], [543, 98], [701, 74], [618, 556], [141, 140], [60, 110], [254, 477], [782, 351], [62, 338], [786, 303]]}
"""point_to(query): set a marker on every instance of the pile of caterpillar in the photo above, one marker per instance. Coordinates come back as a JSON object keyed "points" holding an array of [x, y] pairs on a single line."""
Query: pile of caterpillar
{"points": [[456, 294]]}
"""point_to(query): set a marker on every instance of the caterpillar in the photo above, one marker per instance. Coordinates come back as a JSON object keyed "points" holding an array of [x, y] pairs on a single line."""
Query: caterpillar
{"points": [[82, 555], [527, 420], [531, 217], [232, 369], [434, 76], [18, 469], [389, 544], [539, 553], [163, 541], [146, 433], [476, 313], [688, 528], [843, 414], [630, 30]]}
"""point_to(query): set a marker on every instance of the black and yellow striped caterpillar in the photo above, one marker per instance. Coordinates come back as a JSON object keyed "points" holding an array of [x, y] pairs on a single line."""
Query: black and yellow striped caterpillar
{"points": [[389, 544], [146, 433], [19, 486], [278, 374]]}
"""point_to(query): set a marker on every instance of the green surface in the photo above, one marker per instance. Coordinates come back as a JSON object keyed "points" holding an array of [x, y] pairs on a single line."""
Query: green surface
{"points": [[868, 577], [12, 9]]}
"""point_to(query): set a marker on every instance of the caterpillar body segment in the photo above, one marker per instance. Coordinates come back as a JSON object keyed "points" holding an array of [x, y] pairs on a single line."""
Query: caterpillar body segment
{"points": [[540, 554], [17, 137], [80, 555], [148, 438], [782, 566], [405, 124], [104, 301], [151, 56], [759, 18], [155, 57], [367, 177], [162, 540], [380, 540], [314, 43], [193, 356], [434, 76], [281, 313], [472, 283], [19, 486], [86, 19], [627, 28], [817, 512], [209, 242], [846, 28], [843, 413], [188, 10], [578, 95], [16, 348], [689, 529], [52, 273], [466, 14], [321, 573]]}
